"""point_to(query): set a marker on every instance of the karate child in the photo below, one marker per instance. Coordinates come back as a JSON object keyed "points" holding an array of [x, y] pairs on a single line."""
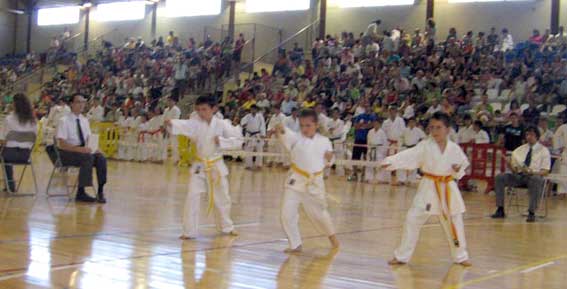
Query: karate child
{"points": [[310, 152], [442, 162], [411, 136], [209, 173], [377, 149], [255, 128]]}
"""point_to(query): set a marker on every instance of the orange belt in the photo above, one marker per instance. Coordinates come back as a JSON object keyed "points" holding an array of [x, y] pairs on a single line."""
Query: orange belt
{"points": [[446, 214]]}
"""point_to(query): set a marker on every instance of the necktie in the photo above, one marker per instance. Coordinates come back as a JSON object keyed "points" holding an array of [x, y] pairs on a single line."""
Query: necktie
{"points": [[528, 159], [80, 131]]}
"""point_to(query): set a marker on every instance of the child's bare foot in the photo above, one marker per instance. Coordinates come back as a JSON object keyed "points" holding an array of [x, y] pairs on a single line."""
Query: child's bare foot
{"points": [[293, 251], [183, 237], [395, 262], [334, 241], [465, 263]]}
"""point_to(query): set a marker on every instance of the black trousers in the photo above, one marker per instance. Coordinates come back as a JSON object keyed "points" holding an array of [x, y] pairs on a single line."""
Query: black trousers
{"points": [[14, 156], [86, 163]]}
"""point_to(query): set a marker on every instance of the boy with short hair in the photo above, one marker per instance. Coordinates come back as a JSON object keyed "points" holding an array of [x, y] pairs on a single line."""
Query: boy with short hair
{"points": [[310, 153], [377, 151], [441, 162], [209, 173]]}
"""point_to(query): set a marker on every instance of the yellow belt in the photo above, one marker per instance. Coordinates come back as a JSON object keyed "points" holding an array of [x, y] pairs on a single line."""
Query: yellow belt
{"points": [[213, 178], [310, 177], [446, 214]]}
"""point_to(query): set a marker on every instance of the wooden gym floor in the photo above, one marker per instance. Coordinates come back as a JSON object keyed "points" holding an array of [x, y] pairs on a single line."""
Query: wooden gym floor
{"points": [[131, 242]]}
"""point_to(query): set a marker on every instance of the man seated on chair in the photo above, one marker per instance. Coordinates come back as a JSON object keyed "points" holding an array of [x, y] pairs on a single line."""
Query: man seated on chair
{"points": [[73, 133], [529, 163]]}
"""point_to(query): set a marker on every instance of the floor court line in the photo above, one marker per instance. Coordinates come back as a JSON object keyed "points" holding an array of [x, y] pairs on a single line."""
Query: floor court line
{"points": [[527, 267]]}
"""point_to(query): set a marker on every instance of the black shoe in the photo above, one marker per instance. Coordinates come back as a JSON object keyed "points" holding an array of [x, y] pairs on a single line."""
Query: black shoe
{"points": [[499, 214], [531, 218], [100, 198], [83, 197]]}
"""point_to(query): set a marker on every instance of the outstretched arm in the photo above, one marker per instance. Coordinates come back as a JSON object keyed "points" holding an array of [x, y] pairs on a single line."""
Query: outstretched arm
{"points": [[409, 159]]}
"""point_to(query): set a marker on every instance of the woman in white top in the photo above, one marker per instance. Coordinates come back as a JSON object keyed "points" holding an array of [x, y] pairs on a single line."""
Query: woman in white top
{"points": [[22, 119]]}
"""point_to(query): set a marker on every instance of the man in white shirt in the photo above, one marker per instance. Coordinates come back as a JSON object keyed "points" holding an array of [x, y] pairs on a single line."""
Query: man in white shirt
{"points": [[172, 112], [255, 128], [76, 149], [529, 164]]}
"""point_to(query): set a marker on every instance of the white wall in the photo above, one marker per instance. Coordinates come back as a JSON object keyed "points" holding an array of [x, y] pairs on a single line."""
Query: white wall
{"points": [[519, 17], [7, 26]]}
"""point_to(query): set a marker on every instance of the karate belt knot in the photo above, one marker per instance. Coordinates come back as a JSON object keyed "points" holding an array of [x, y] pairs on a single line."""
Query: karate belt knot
{"points": [[445, 210], [213, 178], [310, 178]]}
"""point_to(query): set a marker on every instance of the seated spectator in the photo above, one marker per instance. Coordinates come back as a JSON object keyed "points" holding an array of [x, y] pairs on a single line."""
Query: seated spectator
{"points": [[480, 135], [21, 119], [513, 133], [529, 164], [73, 140]]}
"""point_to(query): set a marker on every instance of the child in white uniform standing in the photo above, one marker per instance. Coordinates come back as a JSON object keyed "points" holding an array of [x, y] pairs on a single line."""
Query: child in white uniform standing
{"points": [[377, 149], [310, 153], [255, 127], [441, 162], [209, 173]]}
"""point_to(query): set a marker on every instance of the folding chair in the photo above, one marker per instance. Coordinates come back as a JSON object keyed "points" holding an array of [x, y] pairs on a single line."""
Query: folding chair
{"points": [[515, 202], [58, 166], [24, 138]]}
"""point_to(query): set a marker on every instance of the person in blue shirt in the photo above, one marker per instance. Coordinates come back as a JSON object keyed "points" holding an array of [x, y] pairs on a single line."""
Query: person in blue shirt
{"points": [[362, 123]]}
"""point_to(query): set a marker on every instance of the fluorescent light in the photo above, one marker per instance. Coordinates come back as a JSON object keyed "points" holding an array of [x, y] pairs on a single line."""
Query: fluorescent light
{"points": [[58, 16], [180, 8], [469, 1], [120, 11], [369, 3], [276, 5]]}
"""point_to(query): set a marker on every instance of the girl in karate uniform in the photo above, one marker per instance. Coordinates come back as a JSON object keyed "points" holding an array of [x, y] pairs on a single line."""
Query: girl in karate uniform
{"points": [[441, 162], [310, 153]]}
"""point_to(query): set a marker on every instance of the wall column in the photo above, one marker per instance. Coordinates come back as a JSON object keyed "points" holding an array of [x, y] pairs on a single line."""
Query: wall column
{"points": [[430, 10], [87, 23], [231, 18], [154, 21], [322, 19], [555, 12]]}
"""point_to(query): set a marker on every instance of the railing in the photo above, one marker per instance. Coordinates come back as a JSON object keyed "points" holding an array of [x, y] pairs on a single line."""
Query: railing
{"points": [[37, 76]]}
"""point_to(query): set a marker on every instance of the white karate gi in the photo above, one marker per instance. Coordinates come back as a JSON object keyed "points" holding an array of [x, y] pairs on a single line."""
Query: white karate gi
{"points": [[255, 127], [428, 157], [410, 138], [307, 154], [170, 114], [336, 129], [55, 114], [274, 145], [394, 130], [96, 114], [293, 124], [128, 143], [203, 134], [377, 150]]}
